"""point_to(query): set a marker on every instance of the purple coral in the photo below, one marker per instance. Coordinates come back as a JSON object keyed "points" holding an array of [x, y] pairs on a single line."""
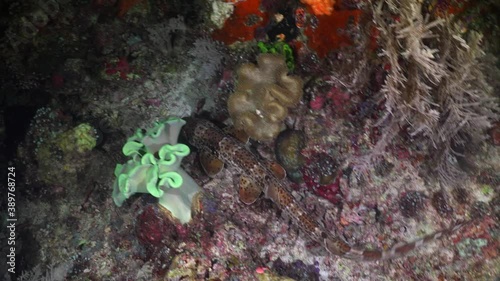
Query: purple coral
{"points": [[321, 176], [154, 230], [297, 270], [412, 203]]}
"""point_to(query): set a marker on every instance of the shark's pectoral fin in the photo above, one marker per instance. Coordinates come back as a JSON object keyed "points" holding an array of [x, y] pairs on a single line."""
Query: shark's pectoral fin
{"points": [[278, 171], [249, 192], [211, 164], [237, 134]]}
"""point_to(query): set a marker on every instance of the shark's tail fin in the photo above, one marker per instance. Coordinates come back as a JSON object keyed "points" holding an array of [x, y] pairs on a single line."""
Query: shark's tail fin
{"points": [[399, 249]]}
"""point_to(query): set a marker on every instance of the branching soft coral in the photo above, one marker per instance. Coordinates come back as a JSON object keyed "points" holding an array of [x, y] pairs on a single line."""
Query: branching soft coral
{"points": [[263, 95], [435, 85]]}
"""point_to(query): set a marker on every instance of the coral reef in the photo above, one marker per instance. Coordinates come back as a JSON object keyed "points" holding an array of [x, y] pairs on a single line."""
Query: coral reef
{"points": [[396, 136], [208, 55], [59, 148], [263, 95], [168, 37]]}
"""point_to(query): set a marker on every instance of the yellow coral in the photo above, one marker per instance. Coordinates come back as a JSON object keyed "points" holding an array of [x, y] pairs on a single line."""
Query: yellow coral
{"points": [[81, 139], [263, 95], [320, 7]]}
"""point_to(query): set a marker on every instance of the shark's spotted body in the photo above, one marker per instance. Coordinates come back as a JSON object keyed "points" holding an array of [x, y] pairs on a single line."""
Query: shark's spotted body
{"points": [[259, 177]]}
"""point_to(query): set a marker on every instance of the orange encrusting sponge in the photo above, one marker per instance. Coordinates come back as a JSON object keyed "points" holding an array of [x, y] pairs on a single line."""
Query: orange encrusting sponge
{"points": [[242, 24], [320, 7], [326, 37]]}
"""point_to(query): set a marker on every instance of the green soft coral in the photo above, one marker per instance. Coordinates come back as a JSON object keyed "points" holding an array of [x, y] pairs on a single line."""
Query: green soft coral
{"points": [[281, 48], [154, 168]]}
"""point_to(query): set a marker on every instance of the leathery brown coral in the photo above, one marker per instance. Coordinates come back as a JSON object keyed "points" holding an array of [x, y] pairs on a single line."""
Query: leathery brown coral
{"points": [[263, 95]]}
